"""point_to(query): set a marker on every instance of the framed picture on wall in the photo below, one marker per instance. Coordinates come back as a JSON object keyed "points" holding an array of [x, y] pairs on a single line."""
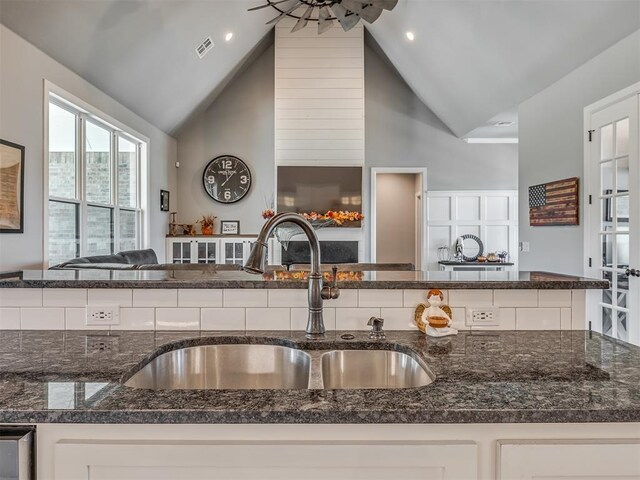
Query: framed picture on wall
{"points": [[230, 227], [164, 200], [11, 187]]}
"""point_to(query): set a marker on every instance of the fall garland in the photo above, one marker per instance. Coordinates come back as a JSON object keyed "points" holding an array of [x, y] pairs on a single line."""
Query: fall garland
{"points": [[338, 217]]}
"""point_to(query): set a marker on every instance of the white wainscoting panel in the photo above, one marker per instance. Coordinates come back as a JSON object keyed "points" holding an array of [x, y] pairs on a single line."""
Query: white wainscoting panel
{"points": [[492, 215]]}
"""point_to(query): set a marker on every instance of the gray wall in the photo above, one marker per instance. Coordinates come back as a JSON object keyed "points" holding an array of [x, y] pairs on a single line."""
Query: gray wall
{"points": [[400, 131], [23, 70], [551, 147], [239, 122]]}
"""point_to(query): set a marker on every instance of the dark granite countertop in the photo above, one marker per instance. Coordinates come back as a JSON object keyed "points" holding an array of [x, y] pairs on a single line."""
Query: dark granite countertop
{"points": [[347, 280], [481, 377]]}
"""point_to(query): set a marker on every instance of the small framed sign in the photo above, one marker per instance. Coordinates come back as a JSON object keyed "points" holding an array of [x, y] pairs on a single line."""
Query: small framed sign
{"points": [[230, 227], [164, 200], [11, 187]]}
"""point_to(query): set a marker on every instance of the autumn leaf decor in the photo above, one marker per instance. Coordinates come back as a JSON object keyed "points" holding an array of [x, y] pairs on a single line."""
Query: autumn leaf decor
{"points": [[338, 217]]}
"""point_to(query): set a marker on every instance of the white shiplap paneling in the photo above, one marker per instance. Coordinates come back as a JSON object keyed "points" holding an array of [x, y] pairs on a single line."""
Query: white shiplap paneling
{"points": [[319, 99]]}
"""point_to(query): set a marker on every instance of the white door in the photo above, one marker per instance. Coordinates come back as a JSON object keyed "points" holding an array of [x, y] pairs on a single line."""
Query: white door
{"points": [[614, 218]]}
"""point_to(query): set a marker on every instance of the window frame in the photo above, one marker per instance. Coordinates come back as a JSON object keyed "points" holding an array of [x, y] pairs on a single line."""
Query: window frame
{"points": [[85, 113]]}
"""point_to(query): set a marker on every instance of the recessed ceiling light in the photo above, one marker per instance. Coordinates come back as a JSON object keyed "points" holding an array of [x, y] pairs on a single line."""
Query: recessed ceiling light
{"points": [[411, 36], [228, 37]]}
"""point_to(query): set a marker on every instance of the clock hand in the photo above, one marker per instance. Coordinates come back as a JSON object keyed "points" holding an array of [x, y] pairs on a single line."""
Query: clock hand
{"points": [[232, 174]]}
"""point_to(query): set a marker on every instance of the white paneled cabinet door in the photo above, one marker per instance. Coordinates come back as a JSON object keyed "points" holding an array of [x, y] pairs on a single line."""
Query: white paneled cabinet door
{"points": [[84, 460], [614, 218], [566, 460]]}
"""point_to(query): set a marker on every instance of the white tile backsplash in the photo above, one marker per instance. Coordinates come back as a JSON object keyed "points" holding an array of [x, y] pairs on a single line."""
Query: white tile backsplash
{"points": [[136, 319], [177, 319], [554, 298], [9, 318], [223, 319], [355, 318], [274, 309], [470, 298], [110, 296], [538, 319], [380, 298], [64, 297], [20, 297], [398, 318], [268, 319], [245, 298], [42, 318], [150, 297], [288, 298], [515, 298], [199, 297]]}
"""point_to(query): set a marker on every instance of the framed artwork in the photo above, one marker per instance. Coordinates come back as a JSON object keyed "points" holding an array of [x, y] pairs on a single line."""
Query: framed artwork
{"points": [[554, 203], [164, 200], [11, 187], [230, 227]]}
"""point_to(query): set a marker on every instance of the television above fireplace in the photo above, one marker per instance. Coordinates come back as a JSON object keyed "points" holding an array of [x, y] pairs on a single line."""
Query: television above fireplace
{"points": [[320, 189]]}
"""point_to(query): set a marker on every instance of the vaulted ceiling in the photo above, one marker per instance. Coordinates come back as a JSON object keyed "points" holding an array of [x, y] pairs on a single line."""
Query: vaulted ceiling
{"points": [[470, 60]]}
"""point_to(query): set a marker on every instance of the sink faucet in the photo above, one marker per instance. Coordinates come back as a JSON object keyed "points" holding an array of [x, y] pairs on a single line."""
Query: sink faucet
{"points": [[317, 293], [377, 330]]}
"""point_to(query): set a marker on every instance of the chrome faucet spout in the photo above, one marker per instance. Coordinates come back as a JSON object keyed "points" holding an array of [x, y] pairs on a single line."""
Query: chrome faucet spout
{"points": [[316, 294]]}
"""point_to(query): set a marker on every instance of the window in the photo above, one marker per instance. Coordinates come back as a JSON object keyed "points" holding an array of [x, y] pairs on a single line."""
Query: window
{"points": [[94, 185]]}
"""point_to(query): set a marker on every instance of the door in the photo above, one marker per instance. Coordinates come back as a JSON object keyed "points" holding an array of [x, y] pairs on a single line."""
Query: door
{"points": [[614, 218]]}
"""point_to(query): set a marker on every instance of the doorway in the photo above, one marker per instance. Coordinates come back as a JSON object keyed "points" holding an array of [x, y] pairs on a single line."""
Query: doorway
{"points": [[612, 173], [398, 216]]}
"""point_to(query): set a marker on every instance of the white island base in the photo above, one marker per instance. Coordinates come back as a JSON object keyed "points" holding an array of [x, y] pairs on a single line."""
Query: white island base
{"points": [[310, 452]]}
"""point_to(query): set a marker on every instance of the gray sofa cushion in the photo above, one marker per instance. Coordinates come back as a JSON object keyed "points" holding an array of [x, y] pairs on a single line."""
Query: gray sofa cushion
{"points": [[139, 257]]}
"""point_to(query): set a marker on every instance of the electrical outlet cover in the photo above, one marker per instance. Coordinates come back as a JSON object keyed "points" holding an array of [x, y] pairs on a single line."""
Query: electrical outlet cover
{"points": [[103, 315], [483, 317]]}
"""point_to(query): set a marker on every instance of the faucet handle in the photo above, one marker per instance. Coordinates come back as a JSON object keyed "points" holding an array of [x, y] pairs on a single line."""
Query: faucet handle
{"points": [[332, 291], [377, 330]]}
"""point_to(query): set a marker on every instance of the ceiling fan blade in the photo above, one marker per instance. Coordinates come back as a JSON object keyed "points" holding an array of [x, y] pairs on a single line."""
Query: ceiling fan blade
{"points": [[325, 22], [259, 7], [385, 4], [304, 19], [346, 18], [366, 11], [284, 14]]}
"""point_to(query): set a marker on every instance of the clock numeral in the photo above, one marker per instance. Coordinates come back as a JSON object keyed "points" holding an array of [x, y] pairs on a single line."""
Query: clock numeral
{"points": [[227, 195], [227, 164], [244, 179], [211, 179]]}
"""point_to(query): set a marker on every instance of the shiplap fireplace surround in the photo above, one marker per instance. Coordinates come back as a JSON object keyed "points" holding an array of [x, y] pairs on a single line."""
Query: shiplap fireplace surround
{"points": [[319, 105]]}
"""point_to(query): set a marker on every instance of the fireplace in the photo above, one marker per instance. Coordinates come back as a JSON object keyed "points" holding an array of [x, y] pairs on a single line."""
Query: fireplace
{"points": [[330, 252]]}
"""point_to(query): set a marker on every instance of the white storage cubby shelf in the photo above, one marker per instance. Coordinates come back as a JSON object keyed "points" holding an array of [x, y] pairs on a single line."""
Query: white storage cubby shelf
{"points": [[209, 250]]}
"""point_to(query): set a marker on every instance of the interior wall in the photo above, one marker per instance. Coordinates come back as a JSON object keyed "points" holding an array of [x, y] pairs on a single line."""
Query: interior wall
{"points": [[23, 69], [396, 217], [551, 148], [239, 122], [399, 131]]}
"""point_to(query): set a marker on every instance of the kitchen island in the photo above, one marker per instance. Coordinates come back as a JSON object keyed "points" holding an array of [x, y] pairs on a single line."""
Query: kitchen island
{"points": [[500, 400]]}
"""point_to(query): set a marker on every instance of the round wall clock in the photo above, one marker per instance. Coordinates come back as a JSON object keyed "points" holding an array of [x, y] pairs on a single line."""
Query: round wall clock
{"points": [[226, 179]]}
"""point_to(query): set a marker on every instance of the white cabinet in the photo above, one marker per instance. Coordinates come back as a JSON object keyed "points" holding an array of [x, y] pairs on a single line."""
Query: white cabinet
{"points": [[209, 250], [196, 460], [567, 459]]}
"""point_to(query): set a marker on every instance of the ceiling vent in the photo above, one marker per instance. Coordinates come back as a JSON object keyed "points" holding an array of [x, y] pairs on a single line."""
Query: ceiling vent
{"points": [[503, 124], [204, 47]]}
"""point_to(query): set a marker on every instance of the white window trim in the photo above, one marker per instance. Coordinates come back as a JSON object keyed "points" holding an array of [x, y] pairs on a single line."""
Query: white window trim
{"points": [[63, 97]]}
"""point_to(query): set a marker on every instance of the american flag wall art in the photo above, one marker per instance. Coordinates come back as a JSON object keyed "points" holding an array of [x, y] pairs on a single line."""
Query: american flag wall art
{"points": [[554, 203]]}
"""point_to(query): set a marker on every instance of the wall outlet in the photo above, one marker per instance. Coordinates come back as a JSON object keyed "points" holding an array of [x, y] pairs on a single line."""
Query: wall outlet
{"points": [[525, 247], [483, 317], [103, 315]]}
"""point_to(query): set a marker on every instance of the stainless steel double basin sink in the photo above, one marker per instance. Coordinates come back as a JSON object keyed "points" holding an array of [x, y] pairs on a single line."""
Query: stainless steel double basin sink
{"points": [[253, 367]]}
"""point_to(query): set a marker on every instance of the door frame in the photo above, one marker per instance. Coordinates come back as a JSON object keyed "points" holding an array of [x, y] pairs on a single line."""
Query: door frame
{"points": [[593, 296], [421, 263]]}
